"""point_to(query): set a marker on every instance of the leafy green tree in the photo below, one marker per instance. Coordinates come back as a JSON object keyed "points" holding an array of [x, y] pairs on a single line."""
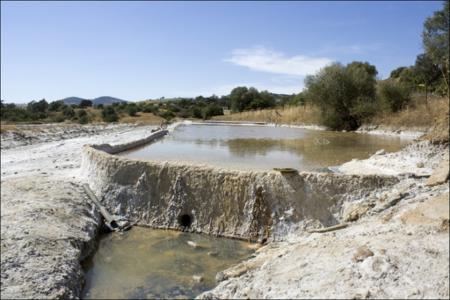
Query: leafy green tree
{"points": [[109, 114], [393, 95], [345, 95], [56, 105], [435, 39], [85, 103]]}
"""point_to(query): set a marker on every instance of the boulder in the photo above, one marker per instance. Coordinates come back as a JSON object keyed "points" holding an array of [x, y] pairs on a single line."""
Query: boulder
{"points": [[440, 174]]}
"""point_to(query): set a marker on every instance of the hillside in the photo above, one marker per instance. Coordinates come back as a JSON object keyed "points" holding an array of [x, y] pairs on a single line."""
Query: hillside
{"points": [[105, 100]]}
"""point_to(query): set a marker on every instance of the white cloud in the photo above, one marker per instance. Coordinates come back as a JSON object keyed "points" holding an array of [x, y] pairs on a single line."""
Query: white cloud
{"points": [[262, 59]]}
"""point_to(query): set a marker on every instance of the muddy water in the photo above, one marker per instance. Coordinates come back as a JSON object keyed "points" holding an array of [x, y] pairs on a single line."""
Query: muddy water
{"points": [[264, 148], [148, 263]]}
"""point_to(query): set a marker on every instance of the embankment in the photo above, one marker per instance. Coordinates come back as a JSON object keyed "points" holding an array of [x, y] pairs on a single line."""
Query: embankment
{"points": [[239, 204]]}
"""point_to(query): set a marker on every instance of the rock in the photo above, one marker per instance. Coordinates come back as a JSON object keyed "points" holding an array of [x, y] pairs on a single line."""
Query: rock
{"points": [[192, 244], [440, 174], [361, 254], [213, 253], [197, 278], [390, 200], [354, 211], [380, 152], [420, 165]]}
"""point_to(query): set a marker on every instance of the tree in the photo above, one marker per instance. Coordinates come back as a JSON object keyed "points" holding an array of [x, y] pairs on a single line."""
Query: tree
{"points": [[56, 105], [238, 99], [82, 116], [345, 95], [435, 39], [109, 114], [393, 95], [85, 103], [426, 71]]}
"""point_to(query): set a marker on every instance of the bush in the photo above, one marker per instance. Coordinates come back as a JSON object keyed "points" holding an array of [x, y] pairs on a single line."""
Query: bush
{"points": [[69, 112], [197, 113], [82, 116], [345, 95], [168, 115], [211, 110], [392, 95], [109, 114], [132, 110]]}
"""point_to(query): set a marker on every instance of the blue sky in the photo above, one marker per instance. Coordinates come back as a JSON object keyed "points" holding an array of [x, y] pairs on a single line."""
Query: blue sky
{"points": [[142, 50]]}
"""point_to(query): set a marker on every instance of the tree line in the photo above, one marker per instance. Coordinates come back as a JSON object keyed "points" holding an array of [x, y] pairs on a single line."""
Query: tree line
{"points": [[347, 95]]}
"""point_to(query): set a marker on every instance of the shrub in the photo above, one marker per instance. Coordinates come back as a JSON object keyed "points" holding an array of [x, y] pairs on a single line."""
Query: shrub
{"points": [[392, 95], [211, 110], [109, 114], [68, 112], [82, 116], [132, 110]]}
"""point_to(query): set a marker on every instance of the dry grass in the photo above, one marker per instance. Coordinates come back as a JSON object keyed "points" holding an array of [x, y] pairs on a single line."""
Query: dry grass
{"points": [[7, 127], [286, 115], [141, 118], [418, 114]]}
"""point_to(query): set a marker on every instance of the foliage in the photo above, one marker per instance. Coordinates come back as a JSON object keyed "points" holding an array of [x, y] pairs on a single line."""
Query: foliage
{"points": [[132, 110], [82, 116], [393, 95], [212, 110], [85, 103], [435, 39], [109, 114], [69, 112], [56, 105], [243, 98], [344, 94]]}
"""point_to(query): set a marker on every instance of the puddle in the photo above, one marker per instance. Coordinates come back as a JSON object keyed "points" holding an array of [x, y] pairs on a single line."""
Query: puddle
{"points": [[263, 147], [145, 263]]}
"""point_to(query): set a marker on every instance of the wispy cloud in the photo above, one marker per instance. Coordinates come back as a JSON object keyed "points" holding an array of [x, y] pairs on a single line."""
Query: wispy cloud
{"points": [[266, 60]]}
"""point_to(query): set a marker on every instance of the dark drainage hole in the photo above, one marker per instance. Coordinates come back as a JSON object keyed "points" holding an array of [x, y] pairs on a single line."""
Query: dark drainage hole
{"points": [[184, 220]]}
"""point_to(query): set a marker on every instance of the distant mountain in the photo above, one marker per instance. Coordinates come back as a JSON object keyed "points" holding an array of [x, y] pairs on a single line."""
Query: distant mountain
{"points": [[72, 100], [105, 100]]}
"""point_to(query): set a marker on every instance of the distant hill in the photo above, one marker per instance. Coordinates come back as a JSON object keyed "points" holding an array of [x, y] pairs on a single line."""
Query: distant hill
{"points": [[105, 100], [72, 100]]}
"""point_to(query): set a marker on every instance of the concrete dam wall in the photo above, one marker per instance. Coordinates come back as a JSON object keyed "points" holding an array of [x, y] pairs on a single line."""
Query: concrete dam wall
{"points": [[251, 205]]}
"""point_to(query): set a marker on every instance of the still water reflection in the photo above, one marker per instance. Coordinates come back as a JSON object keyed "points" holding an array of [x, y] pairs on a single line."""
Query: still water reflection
{"points": [[148, 263], [264, 148]]}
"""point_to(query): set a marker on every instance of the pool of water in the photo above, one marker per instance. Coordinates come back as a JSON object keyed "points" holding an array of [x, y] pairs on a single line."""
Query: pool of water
{"points": [[264, 147], [145, 263]]}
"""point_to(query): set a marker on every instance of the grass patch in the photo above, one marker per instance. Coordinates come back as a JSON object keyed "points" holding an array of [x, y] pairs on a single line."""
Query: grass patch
{"points": [[285, 115]]}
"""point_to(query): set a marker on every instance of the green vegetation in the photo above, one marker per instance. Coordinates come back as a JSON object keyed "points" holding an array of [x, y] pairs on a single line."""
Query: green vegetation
{"points": [[344, 96]]}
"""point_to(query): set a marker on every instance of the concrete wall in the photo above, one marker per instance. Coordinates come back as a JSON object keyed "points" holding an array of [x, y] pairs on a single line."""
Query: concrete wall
{"points": [[241, 204]]}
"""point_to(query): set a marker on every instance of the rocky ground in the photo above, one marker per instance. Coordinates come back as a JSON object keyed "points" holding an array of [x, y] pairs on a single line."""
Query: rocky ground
{"points": [[396, 244], [47, 224]]}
